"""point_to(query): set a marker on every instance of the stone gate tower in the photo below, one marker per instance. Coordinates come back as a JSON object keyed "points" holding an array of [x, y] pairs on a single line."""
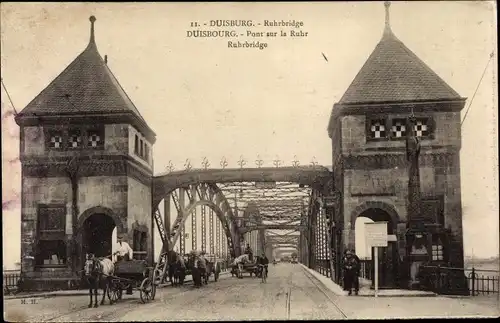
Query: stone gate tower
{"points": [[368, 130], [87, 165]]}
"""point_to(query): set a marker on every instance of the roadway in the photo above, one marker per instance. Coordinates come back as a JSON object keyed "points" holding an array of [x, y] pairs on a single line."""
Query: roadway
{"points": [[291, 293]]}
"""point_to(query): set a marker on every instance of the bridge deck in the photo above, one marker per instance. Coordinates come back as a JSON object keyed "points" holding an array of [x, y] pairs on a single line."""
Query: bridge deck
{"points": [[291, 292]]}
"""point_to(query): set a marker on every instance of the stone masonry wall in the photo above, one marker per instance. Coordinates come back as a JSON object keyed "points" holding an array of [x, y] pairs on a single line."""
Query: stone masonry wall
{"points": [[104, 191], [441, 177], [447, 133], [131, 146], [116, 138], [139, 211]]}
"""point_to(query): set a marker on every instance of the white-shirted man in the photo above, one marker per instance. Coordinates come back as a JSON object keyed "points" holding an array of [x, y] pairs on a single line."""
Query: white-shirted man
{"points": [[124, 253], [123, 250]]}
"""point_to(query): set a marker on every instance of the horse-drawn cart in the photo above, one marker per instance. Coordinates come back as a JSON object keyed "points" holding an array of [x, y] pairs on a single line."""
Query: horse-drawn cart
{"points": [[213, 266], [251, 268], [134, 274]]}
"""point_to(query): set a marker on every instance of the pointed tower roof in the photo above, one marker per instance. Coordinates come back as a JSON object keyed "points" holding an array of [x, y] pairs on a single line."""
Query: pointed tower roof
{"points": [[86, 87], [393, 73]]}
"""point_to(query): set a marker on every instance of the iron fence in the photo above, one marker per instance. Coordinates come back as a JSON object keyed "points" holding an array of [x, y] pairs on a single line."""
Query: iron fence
{"points": [[323, 267], [366, 269], [483, 281], [10, 281], [478, 281]]}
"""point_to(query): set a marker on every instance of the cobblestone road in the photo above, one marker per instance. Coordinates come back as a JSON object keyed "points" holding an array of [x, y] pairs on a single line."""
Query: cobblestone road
{"points": [[290, 293]]}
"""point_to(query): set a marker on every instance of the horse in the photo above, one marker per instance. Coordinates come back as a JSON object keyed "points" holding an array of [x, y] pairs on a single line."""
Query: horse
{"points": [[176, 268], [98, 272]]}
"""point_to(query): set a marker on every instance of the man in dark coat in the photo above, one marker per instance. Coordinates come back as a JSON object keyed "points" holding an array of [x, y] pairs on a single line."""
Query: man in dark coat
{"points": [[351, 266]]}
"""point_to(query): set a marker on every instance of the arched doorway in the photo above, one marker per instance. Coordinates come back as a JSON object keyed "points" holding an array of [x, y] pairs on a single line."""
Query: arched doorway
{"points": [[97, 232], [388, 257]]}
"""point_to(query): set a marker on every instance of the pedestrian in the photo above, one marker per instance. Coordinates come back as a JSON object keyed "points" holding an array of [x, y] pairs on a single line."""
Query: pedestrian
{"points": [[351, 266], [196, 272]]}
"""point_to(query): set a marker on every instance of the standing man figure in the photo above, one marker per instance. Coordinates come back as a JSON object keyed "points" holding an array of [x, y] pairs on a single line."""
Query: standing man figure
{"points": [[351, 272]]}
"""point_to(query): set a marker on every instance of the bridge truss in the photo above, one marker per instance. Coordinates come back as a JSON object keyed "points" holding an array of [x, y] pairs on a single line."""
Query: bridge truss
{"points": [[222, 211]]}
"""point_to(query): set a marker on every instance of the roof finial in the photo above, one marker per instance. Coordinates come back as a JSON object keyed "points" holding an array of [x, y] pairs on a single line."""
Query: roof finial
{"points": [[387, 29], [92, 21]]}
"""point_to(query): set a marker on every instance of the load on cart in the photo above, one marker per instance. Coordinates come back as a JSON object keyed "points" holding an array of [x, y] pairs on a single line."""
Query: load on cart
{"points": [[247, 263]]}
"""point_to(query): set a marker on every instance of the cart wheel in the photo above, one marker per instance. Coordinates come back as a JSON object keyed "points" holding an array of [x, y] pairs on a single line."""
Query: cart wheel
{"points": [[114, 292], [147, 290]]}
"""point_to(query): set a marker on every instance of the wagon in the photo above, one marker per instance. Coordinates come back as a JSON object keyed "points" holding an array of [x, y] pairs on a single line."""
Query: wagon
{"points": [[213, 266], [133, 274], [251, 268]]}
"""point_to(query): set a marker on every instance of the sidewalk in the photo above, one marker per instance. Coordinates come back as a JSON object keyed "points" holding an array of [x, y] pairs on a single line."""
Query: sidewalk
{"points": [[365, 290], [79, 292], [391, 304]]}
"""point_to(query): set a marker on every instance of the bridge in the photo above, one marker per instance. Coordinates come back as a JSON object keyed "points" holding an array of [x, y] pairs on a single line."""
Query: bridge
{"points": [[88, 171], [223, 210]]}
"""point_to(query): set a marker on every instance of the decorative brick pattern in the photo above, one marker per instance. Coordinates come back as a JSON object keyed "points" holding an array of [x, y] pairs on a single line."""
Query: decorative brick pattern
{"points": [[398, 128], [74, 139], [56, 141], [94, 139], [421, 129]]}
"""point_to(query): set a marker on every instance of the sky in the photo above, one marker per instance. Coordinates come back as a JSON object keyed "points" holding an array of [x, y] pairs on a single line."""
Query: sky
{"points": [[204, 99]]}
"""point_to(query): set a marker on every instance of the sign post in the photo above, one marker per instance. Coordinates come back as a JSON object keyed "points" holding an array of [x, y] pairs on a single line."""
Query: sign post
{"points": [[376, 236]]}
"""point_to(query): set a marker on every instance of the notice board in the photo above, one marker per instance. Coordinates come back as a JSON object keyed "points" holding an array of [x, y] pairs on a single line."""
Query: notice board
{"points": [[376, 234]]}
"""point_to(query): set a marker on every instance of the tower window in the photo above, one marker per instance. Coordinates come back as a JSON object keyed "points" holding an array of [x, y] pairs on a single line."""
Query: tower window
{"points": [[398, 129], [74, 139], [421, 128], [141, 152], [136, 145], [437, 249], [377, 129], [56, 140], [95, 139]]}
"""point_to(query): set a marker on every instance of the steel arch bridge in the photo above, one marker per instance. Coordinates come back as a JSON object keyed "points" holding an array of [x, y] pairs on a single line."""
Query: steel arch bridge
{"points": [[220, 210]]}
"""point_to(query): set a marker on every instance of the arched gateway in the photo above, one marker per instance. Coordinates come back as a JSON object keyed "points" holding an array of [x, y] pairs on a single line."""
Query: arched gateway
{"points": [[389, 260]]}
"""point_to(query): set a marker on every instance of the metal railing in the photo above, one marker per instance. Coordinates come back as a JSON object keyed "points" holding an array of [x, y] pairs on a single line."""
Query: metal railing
{"points": [[483, 281], [323, 267], [478, 281], [366, 269], [10, 281]]}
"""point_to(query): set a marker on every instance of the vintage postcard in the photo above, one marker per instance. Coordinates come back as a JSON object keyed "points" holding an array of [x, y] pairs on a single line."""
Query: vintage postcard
{"points": [[249, 161]]}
